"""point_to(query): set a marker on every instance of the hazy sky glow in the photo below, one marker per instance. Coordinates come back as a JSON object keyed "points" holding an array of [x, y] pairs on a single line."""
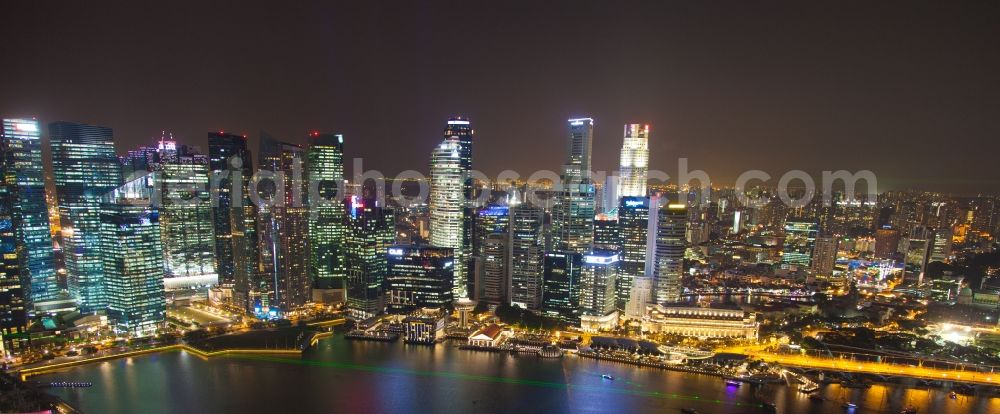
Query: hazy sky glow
{"points": [[909, 91]]}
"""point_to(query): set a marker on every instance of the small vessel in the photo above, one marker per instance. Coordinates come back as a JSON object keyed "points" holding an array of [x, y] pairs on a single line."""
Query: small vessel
{"points": [[816, 398], [808, 388], [732, 383], [607, 377], [849, 405], [953, 395], [769, 406], [689, 411], [909, 410]]}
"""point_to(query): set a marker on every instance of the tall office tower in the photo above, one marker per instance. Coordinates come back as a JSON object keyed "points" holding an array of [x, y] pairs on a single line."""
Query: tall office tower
{"points": [[22, 149], [573, 214], [283, 228], [186, 225], [609, 200], [941, 251], [132, 255], [526, 251], [886, 242], [326, 222], [235, 215], [607, 235], [496, 266], [489, 220], [460, 129], [447, 205], [634, 161], [917, 255], [824, 256], [561, 299], [640, 296], [800, 240], [85, 168], [633, 224], [597, 282], [419, 277], [13, 285], [371, 230], [670, 246]]}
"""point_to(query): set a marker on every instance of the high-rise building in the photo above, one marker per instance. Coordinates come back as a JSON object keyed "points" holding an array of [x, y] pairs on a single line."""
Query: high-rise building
{"points": [[496, 265], [633, 223], [941, 250], [132, 256], [670, 246], [185, 213], [526, 256], [825, 255], [634, 161], [419, 277], [85, 167], [22, 150], [448, 202], [573, 214], [460, 129], [886, 242], [489, 220], [640, 295], [326, 221], [561, 273], [800, 240], [13, 285], [607, 235], [235, 216], [371, 230], [283, 228], [597, 282]]}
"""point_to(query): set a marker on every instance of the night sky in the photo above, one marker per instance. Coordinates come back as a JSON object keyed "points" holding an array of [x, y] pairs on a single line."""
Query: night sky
{"points": [[909, 91]]}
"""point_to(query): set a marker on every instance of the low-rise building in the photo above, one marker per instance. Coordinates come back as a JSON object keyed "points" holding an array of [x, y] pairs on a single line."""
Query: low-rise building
{"points": [[701, 322], [425, 326], [488, 336]]}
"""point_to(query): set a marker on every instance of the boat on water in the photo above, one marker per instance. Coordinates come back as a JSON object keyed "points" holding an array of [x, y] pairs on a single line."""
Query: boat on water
{"points": [[733, 383], [607, 377], [953, 395], [808, 388], [909, 410], [849, 405], [689, 411], [769, 406]]}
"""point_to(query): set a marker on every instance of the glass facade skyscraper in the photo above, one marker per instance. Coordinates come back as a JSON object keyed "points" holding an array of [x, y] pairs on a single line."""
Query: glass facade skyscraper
{"points": [[85, 168], [235, 215], [800, 240], [325, 166], [13, 285], [447, 205], [561, 274], [633, 222], [526, 252], [132, 259], [22, 149], [370, 232], [186, 226], [597, 282], [670, 247], [419, 277], [573, 214]]}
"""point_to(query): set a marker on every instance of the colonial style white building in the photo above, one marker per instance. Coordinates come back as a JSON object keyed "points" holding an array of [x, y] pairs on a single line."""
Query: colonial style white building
{"points": [[701, 322]]}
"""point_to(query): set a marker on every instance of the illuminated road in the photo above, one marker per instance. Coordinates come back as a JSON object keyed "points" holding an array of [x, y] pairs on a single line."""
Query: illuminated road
{"points": [[877, 368]]}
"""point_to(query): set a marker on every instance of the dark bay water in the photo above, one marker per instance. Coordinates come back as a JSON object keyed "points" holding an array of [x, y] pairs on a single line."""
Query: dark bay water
{"points": [[339, 376]]}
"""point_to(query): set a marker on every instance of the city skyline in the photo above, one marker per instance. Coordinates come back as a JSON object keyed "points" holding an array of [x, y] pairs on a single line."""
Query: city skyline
{"points": [[706, 95]]}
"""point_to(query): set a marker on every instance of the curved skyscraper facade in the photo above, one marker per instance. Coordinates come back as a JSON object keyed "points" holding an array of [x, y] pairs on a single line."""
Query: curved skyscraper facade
{"points": [[447, 205]]}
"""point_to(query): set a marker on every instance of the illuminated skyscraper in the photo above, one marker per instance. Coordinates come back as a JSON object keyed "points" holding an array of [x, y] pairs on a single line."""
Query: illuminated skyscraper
{"points": [[370, 233], [492, 219], [460, 128], [800, 240], [85, 168], [132, 257], [607, 235], [22, 149], [886, 242], [186, 225], [419, 277], [283, 228], [597, 282], [13, 284], [526, 256], [825, 255], [561, 274], [573, 214], [235, 215], [447, 204], [670, 246], [633, 222], [634, 161], [326, 226]]}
